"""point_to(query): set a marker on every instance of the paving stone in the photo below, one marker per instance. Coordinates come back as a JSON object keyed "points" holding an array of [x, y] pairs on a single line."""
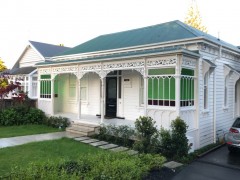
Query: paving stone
{"points": [[119, 149], [108, 146], [172, 164], [90, 141], [82, 138], [132, 152], [99, 143]]}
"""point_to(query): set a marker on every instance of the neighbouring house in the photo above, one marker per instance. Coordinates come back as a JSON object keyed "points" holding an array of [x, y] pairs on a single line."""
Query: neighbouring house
{"points": [[24, 71], [162, 71]]}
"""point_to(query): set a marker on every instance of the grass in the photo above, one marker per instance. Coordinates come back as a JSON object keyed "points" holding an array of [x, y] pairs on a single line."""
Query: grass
{"points": [[12, 131], [39, 152]]}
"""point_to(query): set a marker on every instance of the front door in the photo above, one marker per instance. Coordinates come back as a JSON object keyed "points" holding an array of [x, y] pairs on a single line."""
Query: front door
{"points": [[111, 96]]}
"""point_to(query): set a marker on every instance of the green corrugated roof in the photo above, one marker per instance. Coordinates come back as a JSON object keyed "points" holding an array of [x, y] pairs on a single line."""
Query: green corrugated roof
{"points": [[125, 55], [170, 31]]}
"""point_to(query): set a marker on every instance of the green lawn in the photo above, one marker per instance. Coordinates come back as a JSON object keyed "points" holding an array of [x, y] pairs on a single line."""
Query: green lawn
{"points": [[12, 131], [54, 150]]}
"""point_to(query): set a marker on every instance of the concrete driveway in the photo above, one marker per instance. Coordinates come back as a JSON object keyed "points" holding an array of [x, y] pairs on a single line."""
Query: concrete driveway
{"points": [[217, 165]]}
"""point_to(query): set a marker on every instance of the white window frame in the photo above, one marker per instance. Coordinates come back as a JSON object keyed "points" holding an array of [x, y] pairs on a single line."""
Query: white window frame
{"points": [[206, 91], [226, 89], [141, 91]]}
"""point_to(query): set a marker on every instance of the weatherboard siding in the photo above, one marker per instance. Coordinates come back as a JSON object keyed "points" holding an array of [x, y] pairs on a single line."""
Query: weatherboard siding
{"points": [[92, 105], [206, 116], [131, 96], [30, 58], [224, 115]]}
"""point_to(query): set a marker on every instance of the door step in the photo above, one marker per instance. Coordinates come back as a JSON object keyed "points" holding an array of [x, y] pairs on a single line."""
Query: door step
{"points": [[83, 129]]}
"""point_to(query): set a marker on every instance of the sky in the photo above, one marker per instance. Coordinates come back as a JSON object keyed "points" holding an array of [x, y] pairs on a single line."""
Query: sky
{"points": [[72, 22]]}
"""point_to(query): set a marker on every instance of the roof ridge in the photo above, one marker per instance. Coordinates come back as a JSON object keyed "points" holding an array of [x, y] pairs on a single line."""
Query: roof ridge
{"points": [[188, 28], [46, 44], [141, 28]]}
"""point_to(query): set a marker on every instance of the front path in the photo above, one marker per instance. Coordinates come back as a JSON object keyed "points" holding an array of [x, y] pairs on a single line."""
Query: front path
{"points": [[14, 141]]}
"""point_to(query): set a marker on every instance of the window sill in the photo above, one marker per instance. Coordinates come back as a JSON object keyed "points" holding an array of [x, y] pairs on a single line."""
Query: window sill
{"points": [[161, 107], [45, 99], [187, 108]]}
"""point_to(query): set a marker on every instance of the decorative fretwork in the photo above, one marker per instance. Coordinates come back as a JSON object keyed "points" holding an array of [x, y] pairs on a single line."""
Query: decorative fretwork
{"points": [[65, 69], [45, 70], [209, 49], [141, 71], [189, 62], [123, 65], [229, 55], [103, 74], [91, 67], [158, 62]]}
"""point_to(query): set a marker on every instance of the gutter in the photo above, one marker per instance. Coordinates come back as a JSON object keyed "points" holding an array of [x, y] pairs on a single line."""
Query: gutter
{"points": [[182, 51]]}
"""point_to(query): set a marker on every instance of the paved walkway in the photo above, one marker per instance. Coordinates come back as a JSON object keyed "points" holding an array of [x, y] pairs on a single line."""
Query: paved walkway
{"points": [[14, 141]]}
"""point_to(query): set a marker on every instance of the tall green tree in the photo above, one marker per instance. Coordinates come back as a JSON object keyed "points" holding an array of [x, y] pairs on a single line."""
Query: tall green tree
{"points": [[193, 17], [2, 65]]}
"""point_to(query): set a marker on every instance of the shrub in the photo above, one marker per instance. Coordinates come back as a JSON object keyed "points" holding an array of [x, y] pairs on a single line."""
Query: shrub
{"points": [[93, 166], [179, 139], [174, 143], [147, 135], [121, 135], [35, 116], [9, 117], [145, 127], [14, 115], [57, 122], [20, 115]]}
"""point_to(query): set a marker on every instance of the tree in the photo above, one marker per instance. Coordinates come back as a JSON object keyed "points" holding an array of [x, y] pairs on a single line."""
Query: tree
{"points": [[2, 65], [193, 17]]}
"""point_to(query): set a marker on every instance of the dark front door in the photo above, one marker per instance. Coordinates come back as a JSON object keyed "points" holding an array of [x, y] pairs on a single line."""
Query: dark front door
{"points": [[111, 96]]}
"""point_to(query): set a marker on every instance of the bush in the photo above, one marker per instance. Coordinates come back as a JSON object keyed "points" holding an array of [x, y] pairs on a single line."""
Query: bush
{"points": [[174, 143], [57, 122], [121, 135], [93, 166], [147, 135], [20, 115], [14, 116], [35, 116]]}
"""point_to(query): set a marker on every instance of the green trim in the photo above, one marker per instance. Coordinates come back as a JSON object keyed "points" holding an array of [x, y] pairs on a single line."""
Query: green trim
{"points": [[161, 71], [46, 76], [188, 72]]}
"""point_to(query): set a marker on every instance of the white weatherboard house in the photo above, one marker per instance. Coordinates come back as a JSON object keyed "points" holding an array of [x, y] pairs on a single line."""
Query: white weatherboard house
{"points": [[24, 71], [162, 71]]}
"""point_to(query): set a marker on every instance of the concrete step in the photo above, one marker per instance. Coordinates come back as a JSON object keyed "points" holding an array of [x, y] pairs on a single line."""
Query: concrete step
{"points": [[83, 129], [90, 133], [84, 124]]}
